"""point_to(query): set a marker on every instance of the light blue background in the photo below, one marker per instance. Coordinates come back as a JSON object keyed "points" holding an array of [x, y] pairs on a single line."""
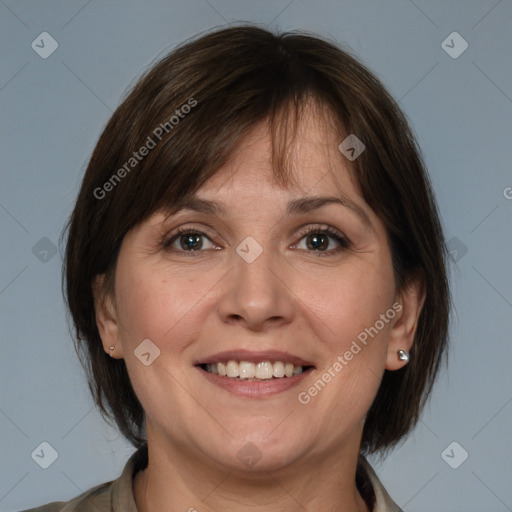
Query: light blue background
{"points": [[52, 111]]}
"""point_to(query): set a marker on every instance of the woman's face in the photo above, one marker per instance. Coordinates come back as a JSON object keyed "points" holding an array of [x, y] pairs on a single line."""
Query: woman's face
{"points": [[276, 276]]}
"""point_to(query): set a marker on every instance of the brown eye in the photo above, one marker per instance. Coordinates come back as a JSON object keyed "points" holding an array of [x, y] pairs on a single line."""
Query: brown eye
{"points": [[187, 240], [191, 241], [323, 240]]}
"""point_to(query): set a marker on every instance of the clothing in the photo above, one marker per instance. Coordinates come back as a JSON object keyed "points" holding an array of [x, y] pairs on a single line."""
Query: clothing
{"points": [[117, 495]]}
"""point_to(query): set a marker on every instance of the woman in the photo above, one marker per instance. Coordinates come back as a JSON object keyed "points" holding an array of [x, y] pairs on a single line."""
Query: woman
{"points": [[256, 273]]}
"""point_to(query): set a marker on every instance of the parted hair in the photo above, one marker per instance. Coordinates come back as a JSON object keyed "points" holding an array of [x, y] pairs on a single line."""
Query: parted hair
{"points": [[190, 110]]}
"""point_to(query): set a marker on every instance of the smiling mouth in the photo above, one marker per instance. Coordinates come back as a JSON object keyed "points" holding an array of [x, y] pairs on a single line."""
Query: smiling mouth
{"points": [[248, 371]]}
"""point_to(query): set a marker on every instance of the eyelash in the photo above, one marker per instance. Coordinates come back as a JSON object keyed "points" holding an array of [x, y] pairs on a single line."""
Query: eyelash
{"points": [[342, 240]]}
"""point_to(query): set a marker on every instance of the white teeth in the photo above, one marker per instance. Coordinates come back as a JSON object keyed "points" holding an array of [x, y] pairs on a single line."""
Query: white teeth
{"points": [[247, 370], [264, 370], [278, 369], [232, 369]]}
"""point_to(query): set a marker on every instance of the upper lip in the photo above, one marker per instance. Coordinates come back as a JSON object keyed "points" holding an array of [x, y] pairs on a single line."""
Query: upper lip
{"points": [[254, 357]]}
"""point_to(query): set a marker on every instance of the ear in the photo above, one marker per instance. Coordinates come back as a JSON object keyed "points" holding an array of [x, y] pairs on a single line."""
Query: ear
{"points": [[408, 306], [106, 318]]}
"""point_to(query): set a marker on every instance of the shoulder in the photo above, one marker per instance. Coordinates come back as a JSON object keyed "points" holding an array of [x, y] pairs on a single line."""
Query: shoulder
{"points": [[96, 499], [113, 496], [380, 500]]}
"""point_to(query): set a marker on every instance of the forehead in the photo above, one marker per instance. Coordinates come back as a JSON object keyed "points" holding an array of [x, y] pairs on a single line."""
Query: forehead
{"points": [[319, 173], [313, 162]]}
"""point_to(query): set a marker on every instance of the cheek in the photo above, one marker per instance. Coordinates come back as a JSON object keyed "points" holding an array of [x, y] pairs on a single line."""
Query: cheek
{"points": [[357, 310], [152, 305], [162, 305], [352, 300]]}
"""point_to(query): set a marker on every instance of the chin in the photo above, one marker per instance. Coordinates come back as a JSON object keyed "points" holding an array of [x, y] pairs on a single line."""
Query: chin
{"points": [[257, 453]]}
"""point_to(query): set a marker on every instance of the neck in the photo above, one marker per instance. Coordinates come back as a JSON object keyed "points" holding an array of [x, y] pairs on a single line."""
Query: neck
{"points": [[178, 480]]}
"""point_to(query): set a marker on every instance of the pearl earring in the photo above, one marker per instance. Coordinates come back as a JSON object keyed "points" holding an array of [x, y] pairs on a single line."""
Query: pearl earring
{"points": [[111, 349], [403, 355]]}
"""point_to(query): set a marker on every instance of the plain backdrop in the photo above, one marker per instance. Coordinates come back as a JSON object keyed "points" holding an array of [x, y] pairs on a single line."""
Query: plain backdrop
{"points": [[53, 108]]}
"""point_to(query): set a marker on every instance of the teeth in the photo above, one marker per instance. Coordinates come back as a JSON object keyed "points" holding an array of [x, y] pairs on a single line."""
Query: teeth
{"points": [[247, 370], [278, 369], [232, 369], [264, 370], [296, 370]]}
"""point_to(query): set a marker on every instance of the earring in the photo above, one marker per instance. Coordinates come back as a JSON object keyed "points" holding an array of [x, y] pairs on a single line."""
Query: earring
{"points": [[111, 349], [403, 355]]}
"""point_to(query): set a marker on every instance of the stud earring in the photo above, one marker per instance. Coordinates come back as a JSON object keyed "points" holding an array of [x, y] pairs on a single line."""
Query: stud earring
{"points": [[112, 347], [403, 355]]}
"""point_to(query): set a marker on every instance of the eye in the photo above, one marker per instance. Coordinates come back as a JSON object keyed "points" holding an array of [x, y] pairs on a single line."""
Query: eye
{"points": [[187, 240], [319, 239]]}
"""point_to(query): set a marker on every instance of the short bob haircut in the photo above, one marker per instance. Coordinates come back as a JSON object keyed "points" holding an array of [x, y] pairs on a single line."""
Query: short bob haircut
{"points": [[183, 120]]}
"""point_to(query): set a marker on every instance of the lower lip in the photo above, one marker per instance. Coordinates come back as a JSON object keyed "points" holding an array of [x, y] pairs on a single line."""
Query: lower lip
{"points": [[254, 388]]}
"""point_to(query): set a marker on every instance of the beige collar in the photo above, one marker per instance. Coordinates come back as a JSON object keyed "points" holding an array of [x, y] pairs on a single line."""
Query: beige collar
{"points": [[121, 492]]}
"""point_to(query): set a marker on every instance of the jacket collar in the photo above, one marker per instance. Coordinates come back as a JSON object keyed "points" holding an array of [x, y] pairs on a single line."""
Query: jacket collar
{"points": [[122, 489]]}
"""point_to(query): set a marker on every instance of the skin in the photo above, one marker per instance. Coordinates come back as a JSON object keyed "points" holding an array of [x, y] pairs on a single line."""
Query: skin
{"points": [[290, 298]]}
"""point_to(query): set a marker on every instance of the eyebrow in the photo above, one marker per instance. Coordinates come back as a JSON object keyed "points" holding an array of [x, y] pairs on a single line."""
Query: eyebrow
{"points": [[297, 206]]}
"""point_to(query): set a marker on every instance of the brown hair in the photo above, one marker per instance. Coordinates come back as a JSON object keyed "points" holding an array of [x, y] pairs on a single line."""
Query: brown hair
{"points": [[189, 111]]}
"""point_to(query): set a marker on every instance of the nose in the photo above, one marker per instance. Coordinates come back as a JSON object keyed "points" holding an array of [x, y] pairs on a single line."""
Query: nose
{"points": [[256, 294]]}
